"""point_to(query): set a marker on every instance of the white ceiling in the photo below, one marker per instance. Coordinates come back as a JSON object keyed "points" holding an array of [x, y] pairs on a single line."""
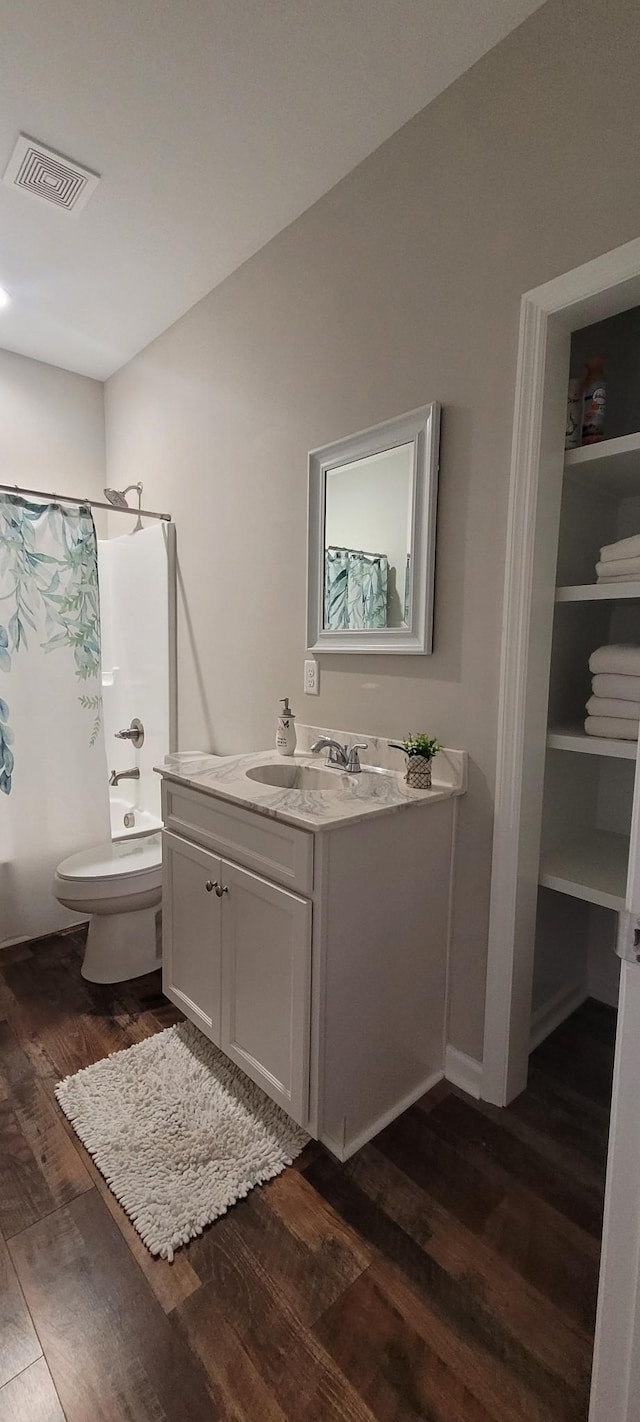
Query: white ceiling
{"points": [[214, 123]]}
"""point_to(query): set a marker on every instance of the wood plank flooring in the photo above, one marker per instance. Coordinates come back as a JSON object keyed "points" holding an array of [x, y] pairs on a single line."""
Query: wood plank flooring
{"points": [[446, 1273]]}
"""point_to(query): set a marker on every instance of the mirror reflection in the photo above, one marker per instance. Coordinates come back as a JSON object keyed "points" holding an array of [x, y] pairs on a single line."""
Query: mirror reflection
{"points": [[367, 541]]}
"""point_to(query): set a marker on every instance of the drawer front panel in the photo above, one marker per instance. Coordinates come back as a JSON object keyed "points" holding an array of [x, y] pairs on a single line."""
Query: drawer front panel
{"points": [[278, 851]]}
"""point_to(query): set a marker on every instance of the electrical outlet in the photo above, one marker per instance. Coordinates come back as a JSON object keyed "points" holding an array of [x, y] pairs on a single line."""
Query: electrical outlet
{"points": [[311, 679]]}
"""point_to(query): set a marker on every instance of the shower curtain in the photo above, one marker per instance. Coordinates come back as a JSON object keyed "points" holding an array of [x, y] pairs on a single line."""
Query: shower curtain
{"points": [[53, 773], [355, 589]]}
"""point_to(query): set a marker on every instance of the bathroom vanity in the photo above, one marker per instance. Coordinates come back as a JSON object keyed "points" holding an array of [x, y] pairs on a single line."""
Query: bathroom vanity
{"points": [[306, 924]]}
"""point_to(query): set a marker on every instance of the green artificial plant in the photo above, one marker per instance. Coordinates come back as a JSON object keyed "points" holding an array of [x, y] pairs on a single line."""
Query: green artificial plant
{"points": [[426, 746]]}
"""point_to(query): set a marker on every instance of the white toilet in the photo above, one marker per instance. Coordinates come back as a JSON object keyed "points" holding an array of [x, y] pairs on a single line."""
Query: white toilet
{"points": [[119, 886]]}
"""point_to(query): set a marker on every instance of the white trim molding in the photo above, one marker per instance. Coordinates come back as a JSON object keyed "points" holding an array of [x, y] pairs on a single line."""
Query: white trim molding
{"points": [[463, 1071], [554, 1011], [512, 703]]}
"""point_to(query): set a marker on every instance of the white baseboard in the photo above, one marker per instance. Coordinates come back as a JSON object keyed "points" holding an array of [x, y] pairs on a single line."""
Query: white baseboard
{"points": [[551, 1013], [43, 937], [463, 1071], [351, 1146]]}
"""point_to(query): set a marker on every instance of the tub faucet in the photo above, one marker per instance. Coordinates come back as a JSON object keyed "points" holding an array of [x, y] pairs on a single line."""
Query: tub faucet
{"points": [[117, 775]]}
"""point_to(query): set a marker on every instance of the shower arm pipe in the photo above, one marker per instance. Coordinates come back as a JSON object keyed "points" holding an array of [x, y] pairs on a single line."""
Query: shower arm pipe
{"points": [[93, 503]]}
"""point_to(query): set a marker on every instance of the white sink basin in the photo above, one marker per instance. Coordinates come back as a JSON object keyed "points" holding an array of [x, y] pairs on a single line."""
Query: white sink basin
{"points": [[289, 776]]}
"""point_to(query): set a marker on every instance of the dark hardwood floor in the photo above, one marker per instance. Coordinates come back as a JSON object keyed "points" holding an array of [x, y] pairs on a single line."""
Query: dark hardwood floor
{"points": [[447, 1273]]}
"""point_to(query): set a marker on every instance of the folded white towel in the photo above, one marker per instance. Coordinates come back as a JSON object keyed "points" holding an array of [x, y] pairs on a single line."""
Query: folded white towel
{"points": [[622, 659], [626, 688], [612, 727], [624, 548], [613, 706], [622, 568]]}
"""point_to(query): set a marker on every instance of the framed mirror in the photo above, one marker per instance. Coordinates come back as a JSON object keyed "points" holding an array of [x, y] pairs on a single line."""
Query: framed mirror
{"points": [[372, 535]]}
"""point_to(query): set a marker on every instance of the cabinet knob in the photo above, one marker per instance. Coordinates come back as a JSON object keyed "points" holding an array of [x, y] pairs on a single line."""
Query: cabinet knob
{"points": [[221, 889], [211, 884]]}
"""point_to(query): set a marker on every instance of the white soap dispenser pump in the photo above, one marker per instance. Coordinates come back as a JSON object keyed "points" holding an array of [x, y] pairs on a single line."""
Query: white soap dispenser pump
{"points": [[286, 731]]}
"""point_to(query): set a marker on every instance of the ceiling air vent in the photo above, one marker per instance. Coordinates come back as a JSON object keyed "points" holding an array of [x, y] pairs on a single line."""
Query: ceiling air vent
{"points": [[45, 174]]}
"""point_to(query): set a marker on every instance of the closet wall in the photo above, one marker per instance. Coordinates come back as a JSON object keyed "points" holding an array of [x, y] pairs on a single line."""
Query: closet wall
{"points": [[617, 341]]}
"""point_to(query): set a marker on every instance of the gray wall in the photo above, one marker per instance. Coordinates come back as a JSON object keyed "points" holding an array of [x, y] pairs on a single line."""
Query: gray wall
{"points": [[402, 285], [51, 428]]}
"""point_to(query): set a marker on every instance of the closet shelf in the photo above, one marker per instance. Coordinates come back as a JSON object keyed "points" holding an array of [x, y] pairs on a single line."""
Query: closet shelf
{"points": [[593, 868], [598, 592], [575, 738], [612, 467]]}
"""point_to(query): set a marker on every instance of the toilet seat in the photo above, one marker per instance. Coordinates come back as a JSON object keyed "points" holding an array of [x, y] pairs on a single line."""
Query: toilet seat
{"points": [[114, 868]]}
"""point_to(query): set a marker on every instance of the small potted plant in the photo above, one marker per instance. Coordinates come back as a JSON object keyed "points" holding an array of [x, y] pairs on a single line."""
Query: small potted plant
{"points": [[419, 751]]}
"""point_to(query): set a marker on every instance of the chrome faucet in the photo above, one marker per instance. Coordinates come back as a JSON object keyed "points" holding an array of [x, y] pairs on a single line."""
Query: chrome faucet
{"points": [[341, 757], [117, 775]]}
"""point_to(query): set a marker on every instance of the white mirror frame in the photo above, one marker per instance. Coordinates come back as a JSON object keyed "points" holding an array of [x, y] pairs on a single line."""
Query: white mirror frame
{"points": [[421, 428]]}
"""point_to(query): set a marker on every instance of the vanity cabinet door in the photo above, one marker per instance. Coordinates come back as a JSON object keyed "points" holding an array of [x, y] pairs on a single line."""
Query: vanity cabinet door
{"points": [[266, 978], [191, 928]]}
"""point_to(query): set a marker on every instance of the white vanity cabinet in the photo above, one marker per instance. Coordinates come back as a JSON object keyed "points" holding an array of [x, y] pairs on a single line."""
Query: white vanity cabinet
{"points": [[316, 959], [237, 960]]}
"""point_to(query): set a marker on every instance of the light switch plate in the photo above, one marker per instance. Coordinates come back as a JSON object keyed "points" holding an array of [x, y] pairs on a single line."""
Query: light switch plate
{"points": [[311, 679]]}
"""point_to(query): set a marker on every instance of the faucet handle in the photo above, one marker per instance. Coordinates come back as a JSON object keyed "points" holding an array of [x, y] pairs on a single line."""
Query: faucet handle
{"points": [[133, 733], [353, 759]]}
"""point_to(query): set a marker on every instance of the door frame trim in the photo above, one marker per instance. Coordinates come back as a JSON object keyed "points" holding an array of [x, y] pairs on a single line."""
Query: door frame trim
{"points": [[591, 292]]}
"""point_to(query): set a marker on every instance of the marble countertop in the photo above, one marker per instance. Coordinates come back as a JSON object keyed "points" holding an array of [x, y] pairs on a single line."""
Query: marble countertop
{"points": [[354, 798]]}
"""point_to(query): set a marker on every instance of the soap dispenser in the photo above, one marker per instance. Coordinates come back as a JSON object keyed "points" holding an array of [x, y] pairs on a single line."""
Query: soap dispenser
{"points": [[286, 731]]}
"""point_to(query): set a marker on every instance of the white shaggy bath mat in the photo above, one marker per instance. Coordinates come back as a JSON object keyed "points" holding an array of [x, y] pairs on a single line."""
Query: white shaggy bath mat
{"points": [[178, 1132]]}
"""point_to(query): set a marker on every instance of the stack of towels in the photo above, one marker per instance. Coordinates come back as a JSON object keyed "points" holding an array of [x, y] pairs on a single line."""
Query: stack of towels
{"points": [[614, 708], [620, 562]]}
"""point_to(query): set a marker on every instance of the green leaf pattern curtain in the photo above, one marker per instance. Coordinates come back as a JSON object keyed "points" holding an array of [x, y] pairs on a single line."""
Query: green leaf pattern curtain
{"points": [[355, 590], [53, 775]]}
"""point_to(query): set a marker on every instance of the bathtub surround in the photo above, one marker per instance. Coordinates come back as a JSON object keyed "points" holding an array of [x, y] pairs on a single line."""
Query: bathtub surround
{"points": [[135, 579], [403, 284], [178, 1132]]}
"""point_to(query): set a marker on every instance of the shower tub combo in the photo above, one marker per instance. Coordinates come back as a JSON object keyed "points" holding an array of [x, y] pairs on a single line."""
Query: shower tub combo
{"points": [[118, 884]]}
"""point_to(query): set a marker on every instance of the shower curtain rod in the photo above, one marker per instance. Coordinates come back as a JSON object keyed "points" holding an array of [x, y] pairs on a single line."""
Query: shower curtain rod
{"points": [[93, 503], [359, 552]]}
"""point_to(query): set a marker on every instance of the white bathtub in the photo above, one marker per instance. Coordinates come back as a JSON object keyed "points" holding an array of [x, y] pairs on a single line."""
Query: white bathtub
{"points": [[143, 821]]}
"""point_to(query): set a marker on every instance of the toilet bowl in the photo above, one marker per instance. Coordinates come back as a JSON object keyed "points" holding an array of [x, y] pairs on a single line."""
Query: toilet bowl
{"points": [[119, 887]]}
